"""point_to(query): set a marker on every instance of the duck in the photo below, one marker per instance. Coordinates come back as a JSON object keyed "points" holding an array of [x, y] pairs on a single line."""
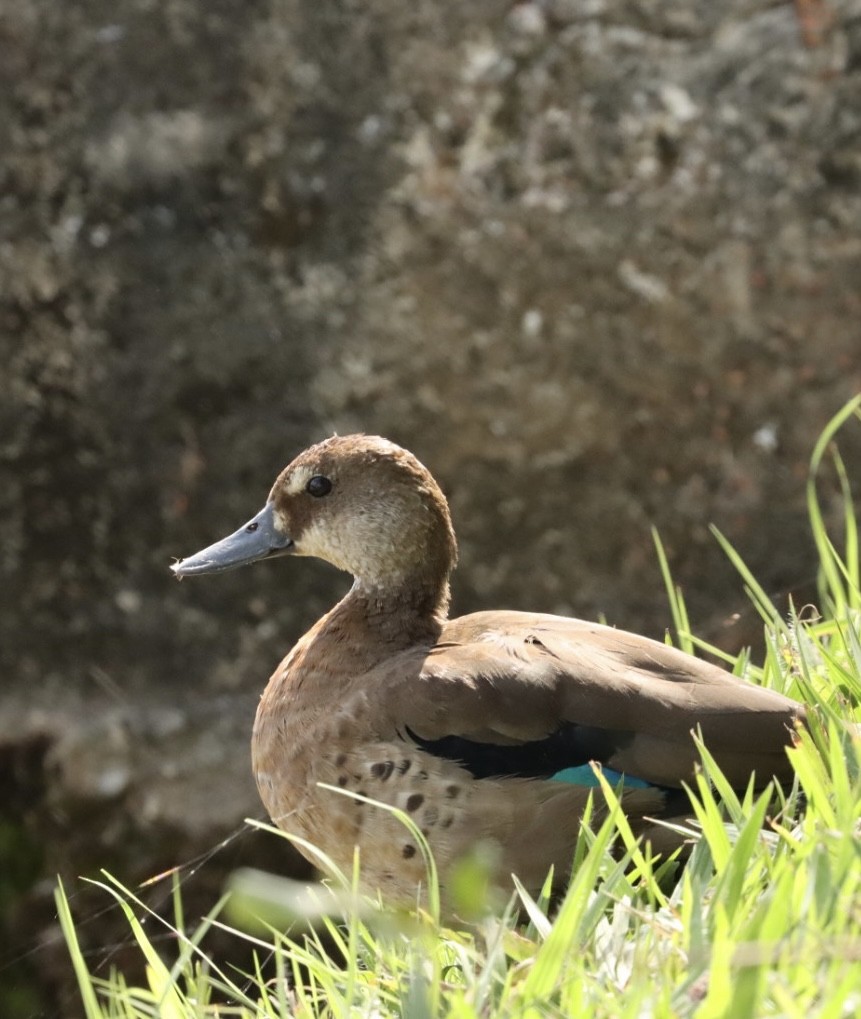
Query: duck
{"points": [[486, 729]]}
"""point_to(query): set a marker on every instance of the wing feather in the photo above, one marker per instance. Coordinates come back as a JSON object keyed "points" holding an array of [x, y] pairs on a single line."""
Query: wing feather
{"points": [[542, 693]]}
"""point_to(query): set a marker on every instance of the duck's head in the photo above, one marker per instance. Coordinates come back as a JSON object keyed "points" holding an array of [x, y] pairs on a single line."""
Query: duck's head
{"points": [[359, 502]]}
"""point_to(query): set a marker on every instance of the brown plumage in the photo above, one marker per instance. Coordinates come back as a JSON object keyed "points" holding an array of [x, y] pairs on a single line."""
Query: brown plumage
{"points": [[478, 727]]}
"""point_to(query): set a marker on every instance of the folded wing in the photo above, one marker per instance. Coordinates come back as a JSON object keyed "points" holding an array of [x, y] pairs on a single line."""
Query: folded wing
{"points": [[532, 696]]}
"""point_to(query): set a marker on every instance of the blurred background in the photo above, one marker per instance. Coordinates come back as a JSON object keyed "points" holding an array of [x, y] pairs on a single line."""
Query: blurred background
{"points": [[596, 262]]}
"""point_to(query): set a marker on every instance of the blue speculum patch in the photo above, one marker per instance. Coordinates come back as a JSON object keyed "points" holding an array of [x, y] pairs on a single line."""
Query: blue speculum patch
{"points": [[585, 776], [562, 756]]}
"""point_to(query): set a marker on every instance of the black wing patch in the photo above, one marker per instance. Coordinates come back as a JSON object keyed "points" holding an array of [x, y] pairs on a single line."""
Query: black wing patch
{"points": [[569, 746]]}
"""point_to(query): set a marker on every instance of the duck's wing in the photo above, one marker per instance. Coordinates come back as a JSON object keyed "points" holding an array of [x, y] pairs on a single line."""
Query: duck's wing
{"points": [[542, 696]]}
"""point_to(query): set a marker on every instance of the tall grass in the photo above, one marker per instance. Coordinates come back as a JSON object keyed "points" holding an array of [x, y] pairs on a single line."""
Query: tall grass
{"points": [[764, 919]]}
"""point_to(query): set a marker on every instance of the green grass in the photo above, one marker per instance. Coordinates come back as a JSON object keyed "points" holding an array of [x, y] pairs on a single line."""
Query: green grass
{"points": [[764, 920]]}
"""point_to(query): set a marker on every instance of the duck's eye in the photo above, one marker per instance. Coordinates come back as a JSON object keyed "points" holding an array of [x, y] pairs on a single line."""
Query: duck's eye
{"points": [[318, 486]]}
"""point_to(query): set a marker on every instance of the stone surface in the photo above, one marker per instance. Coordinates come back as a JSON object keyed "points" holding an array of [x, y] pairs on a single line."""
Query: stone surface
{"points": [[596, 263]]}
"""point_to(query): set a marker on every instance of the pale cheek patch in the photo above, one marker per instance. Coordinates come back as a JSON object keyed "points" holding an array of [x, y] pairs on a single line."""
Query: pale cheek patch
{"points": [[280, 523], [323, 541], [360, 548]]}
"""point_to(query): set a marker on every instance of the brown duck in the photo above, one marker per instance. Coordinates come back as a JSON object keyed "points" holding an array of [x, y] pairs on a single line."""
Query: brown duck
{"points": [[481, 728]]}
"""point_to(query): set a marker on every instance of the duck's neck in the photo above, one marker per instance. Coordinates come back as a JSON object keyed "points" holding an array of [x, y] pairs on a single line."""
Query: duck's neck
{"points": [[374, 621]]}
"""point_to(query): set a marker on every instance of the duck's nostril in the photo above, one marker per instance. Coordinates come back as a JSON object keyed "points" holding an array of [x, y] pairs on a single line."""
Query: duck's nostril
{"points": [[252, 527]]}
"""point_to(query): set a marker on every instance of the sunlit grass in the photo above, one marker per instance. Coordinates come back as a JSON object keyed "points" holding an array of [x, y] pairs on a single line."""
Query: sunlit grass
{"points": [[763, 920]]}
